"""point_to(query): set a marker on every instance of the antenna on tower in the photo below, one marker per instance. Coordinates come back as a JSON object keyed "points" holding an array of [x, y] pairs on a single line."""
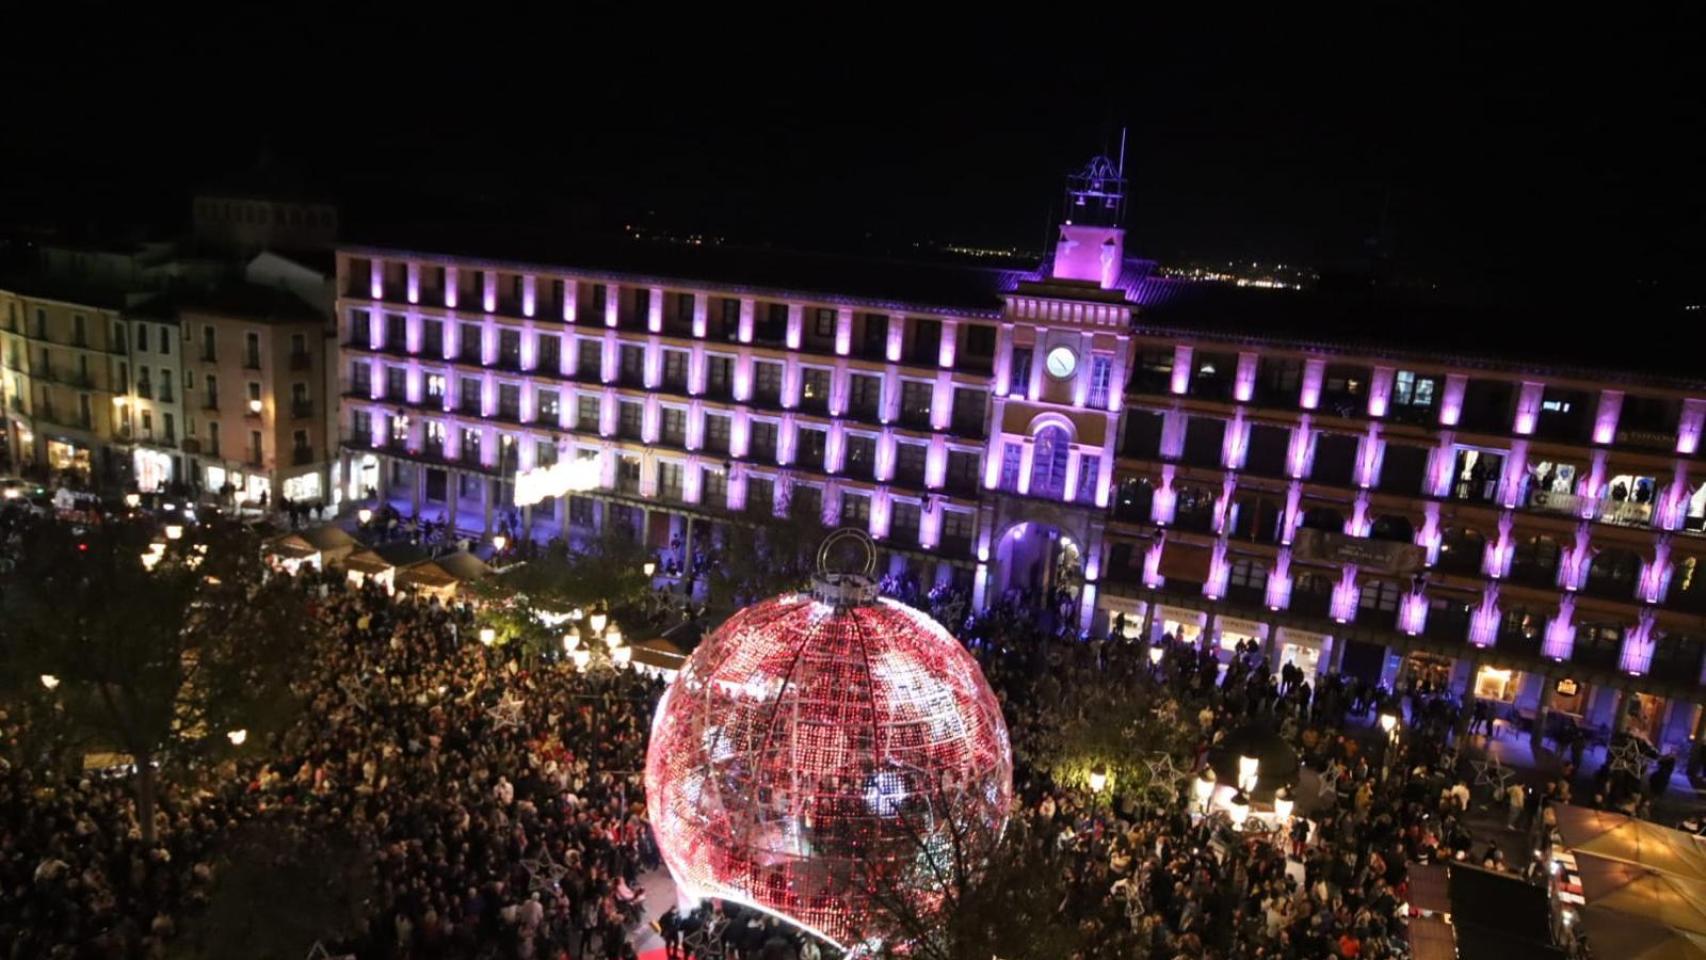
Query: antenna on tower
{"points": [[1121, 169]]}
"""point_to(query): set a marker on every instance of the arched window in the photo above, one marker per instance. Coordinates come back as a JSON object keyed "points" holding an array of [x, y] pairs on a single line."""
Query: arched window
{"points": [[1048, 464], [1392, 527]]}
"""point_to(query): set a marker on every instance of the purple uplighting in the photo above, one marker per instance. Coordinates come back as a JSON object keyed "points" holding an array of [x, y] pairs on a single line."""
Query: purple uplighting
{"points": [[1560, 639]]}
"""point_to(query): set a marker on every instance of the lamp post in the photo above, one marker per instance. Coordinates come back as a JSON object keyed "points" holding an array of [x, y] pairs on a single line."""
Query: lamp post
{"points": [[1389, 725], [50, 681], [237, 737], [1203, 788], [133, 500], [1239, 808], [597, 620], [1098, 778], [364, 516], [499, 542], [488, 636], [174, 531], [1248, 774], [1284, 805]]}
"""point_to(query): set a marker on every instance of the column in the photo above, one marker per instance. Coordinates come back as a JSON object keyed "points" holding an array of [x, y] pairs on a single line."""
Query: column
{"points": [[486, 497], [1541, 709], [452, 491]]}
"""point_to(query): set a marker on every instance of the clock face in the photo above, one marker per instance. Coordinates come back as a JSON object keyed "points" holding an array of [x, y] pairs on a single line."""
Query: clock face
{"points": [[1061, 362]]}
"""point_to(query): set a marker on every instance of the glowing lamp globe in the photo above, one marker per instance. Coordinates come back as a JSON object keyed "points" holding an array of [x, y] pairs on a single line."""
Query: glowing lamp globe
{"points": [[823, 746]]}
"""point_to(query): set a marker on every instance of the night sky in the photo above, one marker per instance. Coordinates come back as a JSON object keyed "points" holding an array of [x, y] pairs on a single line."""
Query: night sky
{"points": [[1524, 156]]}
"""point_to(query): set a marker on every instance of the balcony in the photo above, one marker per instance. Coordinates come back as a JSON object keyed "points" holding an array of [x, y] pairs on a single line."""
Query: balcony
{"points": [[252, 361]]}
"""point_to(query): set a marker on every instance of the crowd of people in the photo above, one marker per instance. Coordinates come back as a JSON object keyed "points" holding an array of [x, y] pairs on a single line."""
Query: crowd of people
{"points": [[497, 802]]}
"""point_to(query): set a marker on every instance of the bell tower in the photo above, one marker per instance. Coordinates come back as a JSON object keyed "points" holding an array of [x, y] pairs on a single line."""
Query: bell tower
{"points": [[1091, 243]]}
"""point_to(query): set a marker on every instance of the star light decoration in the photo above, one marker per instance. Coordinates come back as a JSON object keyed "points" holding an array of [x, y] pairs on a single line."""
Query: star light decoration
{"points": [[1491, 773], [507, 714], [1627, 757], [355, 690], [1164, 775], [543, 873], [1328, 782]]}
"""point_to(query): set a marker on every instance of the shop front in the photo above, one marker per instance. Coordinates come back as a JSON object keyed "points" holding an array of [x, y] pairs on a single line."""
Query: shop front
{"points": [[1183, 625], [1426, 671], [1308, 651], [1498, 684], [304, 488], [1231, 631], [63, 454], [153, 470], [1569, 697], [1121, 617]]}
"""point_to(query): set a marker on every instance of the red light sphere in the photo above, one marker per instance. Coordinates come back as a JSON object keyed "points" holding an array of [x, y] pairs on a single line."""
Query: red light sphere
{"points": [[817, 752]]}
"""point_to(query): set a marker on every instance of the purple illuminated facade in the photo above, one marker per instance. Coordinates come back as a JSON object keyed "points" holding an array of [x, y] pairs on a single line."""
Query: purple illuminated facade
{"points": [[1030, 431]]}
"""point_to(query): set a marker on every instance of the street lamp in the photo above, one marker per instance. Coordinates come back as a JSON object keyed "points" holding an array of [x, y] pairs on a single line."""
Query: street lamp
{"points": [[1239, 808], [1203, 788], [254, 406], [622, 655], [499, 542], [649, 567], [1284, 805], [1388, 723], [1098, 778], [1155, 655], [597, 621], [133, 500], [237, 737], [488, 636], [49, 681], [149, 559], [1248, 773], [613, 637], [364, 516], [582, 657], [571, 640], [174, 531]]}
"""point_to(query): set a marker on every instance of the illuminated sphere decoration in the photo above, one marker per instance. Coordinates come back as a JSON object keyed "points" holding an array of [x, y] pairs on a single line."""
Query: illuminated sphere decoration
{"points": [[819, 754]]}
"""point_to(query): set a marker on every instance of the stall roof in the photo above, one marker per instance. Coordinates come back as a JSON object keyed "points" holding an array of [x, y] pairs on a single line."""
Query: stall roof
{"points": [[1497, 916], [1430, 886], [327, 537], [1619, 936], [427, 573], [1645, 894], [1612, 836], [463, 565], [1431, 938]]}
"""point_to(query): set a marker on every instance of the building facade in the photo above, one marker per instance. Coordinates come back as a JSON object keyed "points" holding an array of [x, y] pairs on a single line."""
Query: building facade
{"points": [[64, 381], [247, 370], [1072, 438]]}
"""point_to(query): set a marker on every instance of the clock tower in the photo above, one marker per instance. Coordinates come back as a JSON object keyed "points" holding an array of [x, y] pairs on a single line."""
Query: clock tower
{"points": [[1061, 363]]}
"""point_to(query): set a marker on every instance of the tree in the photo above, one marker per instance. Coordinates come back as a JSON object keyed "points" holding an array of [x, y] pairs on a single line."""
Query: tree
{"points": [[278, 889], [608, 571], [766, 555], [969, 890], [156, 663]]}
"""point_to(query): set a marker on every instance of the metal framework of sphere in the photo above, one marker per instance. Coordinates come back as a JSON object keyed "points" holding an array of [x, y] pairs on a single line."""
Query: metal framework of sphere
{"points": [[816, 754]]}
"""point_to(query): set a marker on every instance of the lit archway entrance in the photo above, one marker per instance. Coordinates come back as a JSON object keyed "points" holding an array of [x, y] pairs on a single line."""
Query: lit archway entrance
{"points": [[1040, 567]]}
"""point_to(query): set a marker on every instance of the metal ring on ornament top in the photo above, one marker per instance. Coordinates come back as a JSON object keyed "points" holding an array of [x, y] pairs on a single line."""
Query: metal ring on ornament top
{"points": [[850, 584]]}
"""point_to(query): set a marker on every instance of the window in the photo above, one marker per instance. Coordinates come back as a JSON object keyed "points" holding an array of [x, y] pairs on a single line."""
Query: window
{"points": [[1012, 457], [767, 382], [903, 523], [674, 431], [823, 323], [207, 344], [255, 392], [211, 401], [165, 343], [714, 488], [148, 424], [298, 346], [1048, 462], [472, 349], [360, 378], [675, 369], [968, 413], [1101, 371], [548, 403], [600, 296], [142, 337], [1247, 573], [730, 317], [810, 448], [669, 481], [763, 441], [361, 425], [761, 495], [926, 342], [1019, 373], [963, 469], [716, 433], [432, 338], [213, 438], [719, 376], [630, 420], [958, 527], [855, 510], [1411, 390], [144, 388], [864, 396], [980, 341], [299, 399], [165, 385], [396, 383], [1089, 472], [79, 330], [586, 414], [589, 359], [170, 428], [861, 457], [814, 389], [909, 463], [876, 339], [435, 386], [509, 401], [632, 366], [255, 443], [509, 349], [468, 398], [915, 399]]}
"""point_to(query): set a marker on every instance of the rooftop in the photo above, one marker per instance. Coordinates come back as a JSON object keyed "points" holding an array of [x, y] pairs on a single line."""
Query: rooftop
{"points": [[64, 291], [236, 301], [1548, 337]]}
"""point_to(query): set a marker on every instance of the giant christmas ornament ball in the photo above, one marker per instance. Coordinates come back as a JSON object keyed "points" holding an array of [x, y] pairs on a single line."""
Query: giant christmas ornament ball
{"points": [[815, 755]]}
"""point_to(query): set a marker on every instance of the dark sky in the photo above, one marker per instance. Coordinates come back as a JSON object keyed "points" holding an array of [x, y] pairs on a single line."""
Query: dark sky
{"points": [[1532, 154]]}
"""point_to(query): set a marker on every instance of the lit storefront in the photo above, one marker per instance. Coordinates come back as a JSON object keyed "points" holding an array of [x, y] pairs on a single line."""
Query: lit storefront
{"points": [[1427, 669], [1305, 650], [153, 470], [1497, 683], [302, 489], [67, 455], [1569, 697], [1185, 626], [1231, 631], [1122, 616]]}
